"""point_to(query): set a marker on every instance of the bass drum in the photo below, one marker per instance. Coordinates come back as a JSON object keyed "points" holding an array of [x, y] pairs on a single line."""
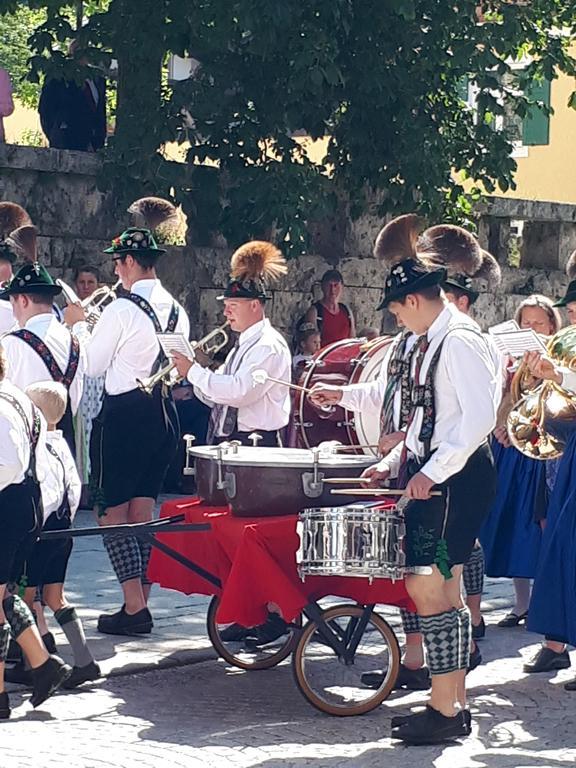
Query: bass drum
{"points": [[351, 361]]}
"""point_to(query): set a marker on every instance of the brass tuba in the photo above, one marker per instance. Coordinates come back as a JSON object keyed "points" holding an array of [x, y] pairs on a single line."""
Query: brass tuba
{"points": [[529, 420]]}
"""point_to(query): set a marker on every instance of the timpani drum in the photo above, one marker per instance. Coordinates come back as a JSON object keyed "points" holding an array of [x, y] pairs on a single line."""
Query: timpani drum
{"points": [[351, 361], [357, 540]]}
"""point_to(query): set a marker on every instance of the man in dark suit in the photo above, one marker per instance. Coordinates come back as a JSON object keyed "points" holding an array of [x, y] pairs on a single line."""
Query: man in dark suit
{"points": [[73, 116]]}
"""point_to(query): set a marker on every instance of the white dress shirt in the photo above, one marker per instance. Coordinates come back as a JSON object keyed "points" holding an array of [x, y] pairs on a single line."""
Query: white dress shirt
{"points": [[61, 476], [467, 394], [14, 440], [369, 395], [260, 406], [123, 344], [7, 319], [24, 366]]}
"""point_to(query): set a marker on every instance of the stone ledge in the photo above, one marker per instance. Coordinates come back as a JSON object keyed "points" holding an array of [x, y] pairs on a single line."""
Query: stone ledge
{"points": [[47, 160]]}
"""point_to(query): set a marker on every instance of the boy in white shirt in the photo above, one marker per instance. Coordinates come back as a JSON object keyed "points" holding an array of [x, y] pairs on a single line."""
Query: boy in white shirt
{"points": [[46, 567]]}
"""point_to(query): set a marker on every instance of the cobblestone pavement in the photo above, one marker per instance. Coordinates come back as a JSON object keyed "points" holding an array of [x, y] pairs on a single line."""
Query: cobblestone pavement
{"points": [[200, 712]]}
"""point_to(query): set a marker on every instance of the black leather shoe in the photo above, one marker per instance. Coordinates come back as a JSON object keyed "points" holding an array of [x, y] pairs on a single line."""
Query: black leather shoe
{"points": [[122, 623], [4, 706], [18, 674], [273, 628], [547, 660], [513, 619], [474, 661], [49, 643], [80, 675], [479, 630], [235, 633], [570, 685], [410, 679], [48, 678], [401, 719], [433, 728]]}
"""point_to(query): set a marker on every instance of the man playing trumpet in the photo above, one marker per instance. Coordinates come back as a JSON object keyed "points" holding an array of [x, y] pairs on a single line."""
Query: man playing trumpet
{"points": [[242, 404], [135, 436]]}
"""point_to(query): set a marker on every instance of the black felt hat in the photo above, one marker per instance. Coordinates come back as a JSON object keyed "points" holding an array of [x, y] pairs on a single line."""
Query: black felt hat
{"points": [[252, 267], [461, 282], [31, 278], [396, 246], [569, 296], [409, 276]]}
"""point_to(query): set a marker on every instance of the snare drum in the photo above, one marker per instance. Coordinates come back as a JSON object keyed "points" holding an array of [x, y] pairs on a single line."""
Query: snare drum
{"points": [[357, 540], [351, 361]]}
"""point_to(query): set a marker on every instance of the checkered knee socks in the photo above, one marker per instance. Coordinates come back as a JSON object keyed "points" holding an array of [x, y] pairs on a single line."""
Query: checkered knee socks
{"points": [[4, 641], [17, 614], [410, 621], [145, 552], [442, 635], [473, 572], [465, 625], [125, 556]]}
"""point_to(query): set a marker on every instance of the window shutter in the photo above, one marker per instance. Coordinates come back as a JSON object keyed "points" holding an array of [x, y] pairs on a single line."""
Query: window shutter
{"points": [[536, 125]]}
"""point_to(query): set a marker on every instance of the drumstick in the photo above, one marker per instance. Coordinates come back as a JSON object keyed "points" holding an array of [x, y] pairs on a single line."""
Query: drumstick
{"points": [[354, 447], [261, 376], [344, 480], [374, 492]]}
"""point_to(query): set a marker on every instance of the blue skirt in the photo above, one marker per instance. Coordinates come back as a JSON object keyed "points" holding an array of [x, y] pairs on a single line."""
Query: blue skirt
{"points": [[510, 536], [553, 605]]}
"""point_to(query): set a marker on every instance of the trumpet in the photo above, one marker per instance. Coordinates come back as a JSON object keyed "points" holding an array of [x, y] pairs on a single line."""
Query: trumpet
{"points": [[91, 304], [210, 344]]}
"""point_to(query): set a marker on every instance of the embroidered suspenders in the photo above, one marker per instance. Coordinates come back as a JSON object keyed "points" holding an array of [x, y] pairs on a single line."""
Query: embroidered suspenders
{"points": [[148, 310], [41, 348]]}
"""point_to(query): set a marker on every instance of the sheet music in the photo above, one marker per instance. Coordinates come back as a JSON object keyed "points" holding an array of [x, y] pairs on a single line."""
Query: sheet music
{"points": [[177, 342], [515, 343], [505, 327]]}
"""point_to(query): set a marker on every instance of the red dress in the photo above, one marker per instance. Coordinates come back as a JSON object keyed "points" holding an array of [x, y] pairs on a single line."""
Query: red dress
{"points": [[334, 327]]}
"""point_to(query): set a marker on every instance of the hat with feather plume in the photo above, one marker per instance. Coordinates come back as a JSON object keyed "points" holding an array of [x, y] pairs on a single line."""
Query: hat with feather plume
{"points": [[253, 267], [149, 213], [12, 218], [570, 295], [409, 270], [465, 261]]}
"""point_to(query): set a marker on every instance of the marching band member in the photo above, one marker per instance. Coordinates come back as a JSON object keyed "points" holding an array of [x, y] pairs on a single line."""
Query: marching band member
{"points": [[455, 393], [466, 263], [511, 535], [241, 404], [553, 603], [42, 347], [12, 217], [22, 462], [136, 439]]}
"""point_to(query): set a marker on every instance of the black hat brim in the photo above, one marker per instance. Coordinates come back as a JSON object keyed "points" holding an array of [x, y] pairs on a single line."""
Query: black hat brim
{"points": [[53, 290], [568, 299], [427, 280], [133, 251], [448, 284]]}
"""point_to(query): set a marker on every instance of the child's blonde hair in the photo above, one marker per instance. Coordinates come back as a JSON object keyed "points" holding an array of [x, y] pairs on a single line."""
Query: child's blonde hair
{"points": [[50, 397]]}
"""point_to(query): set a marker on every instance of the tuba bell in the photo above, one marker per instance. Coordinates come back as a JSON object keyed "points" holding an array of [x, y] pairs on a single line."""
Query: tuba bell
{"points": [[531, 420]]}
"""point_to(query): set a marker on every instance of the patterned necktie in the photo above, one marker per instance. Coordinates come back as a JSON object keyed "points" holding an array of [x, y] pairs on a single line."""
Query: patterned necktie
{"points": [[420, 350], [220, 410]]}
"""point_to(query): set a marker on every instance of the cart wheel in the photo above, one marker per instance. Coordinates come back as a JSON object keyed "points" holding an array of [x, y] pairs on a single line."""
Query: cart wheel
{"points": [[333, 684], [244, 654]]}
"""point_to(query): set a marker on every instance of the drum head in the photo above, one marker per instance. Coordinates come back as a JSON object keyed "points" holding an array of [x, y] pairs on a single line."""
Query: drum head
{"points": [[367, 422], [332, 365]]}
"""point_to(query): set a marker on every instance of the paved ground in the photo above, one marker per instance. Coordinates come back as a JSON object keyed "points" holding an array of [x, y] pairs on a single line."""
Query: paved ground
{"points": [[202, 713]]}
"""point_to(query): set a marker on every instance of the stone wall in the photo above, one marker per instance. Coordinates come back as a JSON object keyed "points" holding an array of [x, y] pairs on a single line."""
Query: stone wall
{"points": [[76, 221]]}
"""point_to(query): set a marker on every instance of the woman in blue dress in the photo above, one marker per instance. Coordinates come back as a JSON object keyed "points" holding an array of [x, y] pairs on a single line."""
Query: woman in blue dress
{"points": [[512, 533], [553, 610]]}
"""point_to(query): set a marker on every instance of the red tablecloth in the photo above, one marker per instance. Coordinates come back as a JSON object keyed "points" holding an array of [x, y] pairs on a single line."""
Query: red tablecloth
{"points": [[255, 558]]}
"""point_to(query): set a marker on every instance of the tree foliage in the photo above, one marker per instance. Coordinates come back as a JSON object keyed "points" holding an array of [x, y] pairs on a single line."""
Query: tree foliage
{"points": [[380, 78]]}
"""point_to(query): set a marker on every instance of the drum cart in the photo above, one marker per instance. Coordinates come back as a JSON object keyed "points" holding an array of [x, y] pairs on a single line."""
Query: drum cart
{"points": [[330, 651]]}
